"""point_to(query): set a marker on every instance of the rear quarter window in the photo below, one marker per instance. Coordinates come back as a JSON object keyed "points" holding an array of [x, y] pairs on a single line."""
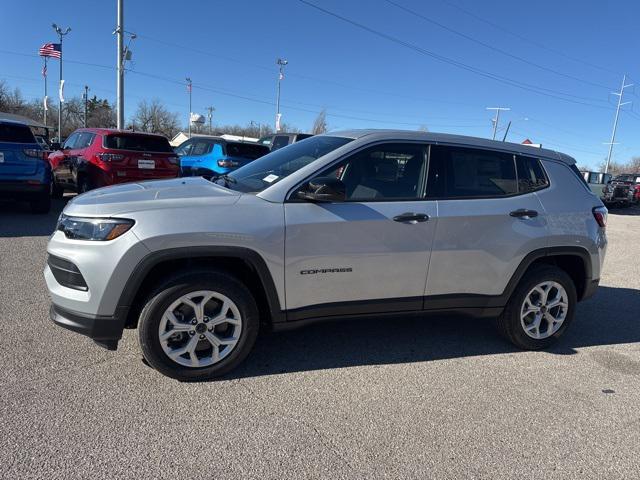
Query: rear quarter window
{"points": [[16, 133], [139, 143]]}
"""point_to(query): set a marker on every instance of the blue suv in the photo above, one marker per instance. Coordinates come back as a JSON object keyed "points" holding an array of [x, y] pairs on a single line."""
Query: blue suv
{"points": [[25, 172], [211, 156]]}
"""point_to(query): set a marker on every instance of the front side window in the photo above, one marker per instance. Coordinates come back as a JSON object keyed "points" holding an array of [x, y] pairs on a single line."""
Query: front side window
{"points": [[69, 144], [457, 172], [270, 169], [384, 172], [185, 148]]}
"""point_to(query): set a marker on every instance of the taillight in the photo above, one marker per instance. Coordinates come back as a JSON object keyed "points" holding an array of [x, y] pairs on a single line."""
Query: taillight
{"points": [[600, 214], [227, 163], [33, 152], [110, 157], [173, 160]]}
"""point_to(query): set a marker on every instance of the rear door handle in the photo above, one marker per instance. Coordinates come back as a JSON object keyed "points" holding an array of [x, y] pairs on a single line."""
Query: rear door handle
{"points": [[411, 217], [524, 213]]}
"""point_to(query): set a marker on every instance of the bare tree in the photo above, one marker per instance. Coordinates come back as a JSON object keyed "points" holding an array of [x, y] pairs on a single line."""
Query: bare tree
{"points": [[320, 123], [154, 117]]}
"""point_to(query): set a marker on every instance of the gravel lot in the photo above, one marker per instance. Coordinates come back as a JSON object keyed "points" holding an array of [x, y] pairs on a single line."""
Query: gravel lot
{"points": [[402, 398]]}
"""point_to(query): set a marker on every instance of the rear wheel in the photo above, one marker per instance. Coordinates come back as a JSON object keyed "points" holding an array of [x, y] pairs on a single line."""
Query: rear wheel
{"points": [[540, 310], [198, 326]]}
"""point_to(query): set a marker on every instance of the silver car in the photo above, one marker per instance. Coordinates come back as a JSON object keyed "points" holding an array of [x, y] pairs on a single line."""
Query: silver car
{"points": [[352, 223]]}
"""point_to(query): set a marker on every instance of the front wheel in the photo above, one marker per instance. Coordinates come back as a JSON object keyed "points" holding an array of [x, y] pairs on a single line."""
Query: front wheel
{"points": [[540, 310], [198, 326]]}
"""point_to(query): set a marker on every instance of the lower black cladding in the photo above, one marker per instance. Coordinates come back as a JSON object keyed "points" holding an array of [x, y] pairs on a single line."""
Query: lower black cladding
{"points": [[106, 331], [66, 273]]}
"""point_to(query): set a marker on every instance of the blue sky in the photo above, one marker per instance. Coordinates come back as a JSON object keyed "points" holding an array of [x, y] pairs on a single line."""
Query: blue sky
{"points": [[572, 49]]}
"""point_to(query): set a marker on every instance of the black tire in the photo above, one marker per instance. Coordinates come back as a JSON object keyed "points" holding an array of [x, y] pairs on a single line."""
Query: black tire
{"points": [[41, 204], [57, 191], [174, 288], [83, 185], [509, 322]]}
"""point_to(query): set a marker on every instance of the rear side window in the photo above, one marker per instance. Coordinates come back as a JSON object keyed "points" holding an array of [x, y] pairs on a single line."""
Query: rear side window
{"points": [[201, 148], [16, 133], [246, 150], [531, 176], [140, 143], [457, 172]]}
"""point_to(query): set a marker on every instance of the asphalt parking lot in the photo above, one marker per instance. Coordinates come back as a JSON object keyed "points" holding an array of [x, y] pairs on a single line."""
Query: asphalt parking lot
{"points": [[401, 398]]}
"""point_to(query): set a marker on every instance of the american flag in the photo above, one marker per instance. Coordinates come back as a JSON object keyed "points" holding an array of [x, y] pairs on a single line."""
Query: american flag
{"points": [[51, 50]]}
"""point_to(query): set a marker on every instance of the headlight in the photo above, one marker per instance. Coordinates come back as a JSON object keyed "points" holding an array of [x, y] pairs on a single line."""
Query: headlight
{"points": [[79, 228]]}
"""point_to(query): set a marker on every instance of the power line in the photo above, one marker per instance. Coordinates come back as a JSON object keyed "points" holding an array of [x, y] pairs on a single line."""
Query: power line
{"points": [[508, 81], [526, 39], [495, 49]]}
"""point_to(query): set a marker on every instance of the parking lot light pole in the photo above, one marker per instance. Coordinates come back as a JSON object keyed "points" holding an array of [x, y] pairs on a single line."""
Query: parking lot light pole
{"points": [[189, 88], [61, 33], [281, 62], [120, 70]]}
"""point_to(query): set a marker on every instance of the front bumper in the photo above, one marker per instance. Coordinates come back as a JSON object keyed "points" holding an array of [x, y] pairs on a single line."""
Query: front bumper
{"points": [[105, 331]]}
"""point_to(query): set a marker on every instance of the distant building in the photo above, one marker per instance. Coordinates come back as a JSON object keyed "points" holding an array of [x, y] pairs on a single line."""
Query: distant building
{"points": [[182, 136], [531, 144]]}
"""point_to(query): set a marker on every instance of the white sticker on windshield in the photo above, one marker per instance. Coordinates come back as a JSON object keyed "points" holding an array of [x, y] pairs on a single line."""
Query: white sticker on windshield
{"points": [[270, 178]]}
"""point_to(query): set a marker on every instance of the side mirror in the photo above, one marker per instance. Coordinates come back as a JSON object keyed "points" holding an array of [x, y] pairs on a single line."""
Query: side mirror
{"points": [[323, 189]]}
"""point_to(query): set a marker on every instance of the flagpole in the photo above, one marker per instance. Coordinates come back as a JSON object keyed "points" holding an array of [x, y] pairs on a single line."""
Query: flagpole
{"points": [[44, 103], [61, 34]]}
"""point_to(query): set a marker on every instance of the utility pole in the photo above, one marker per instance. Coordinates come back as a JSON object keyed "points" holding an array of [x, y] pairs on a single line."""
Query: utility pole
{"points": [[615, 121], [61, 33], [281, 62], [120, 70], [496, 120], [85, 96], [210, 109], [189, 88]]}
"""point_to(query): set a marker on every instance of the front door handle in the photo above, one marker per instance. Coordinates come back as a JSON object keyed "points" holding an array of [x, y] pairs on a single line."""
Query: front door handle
{"points": [[411, 217], [524, 213]]}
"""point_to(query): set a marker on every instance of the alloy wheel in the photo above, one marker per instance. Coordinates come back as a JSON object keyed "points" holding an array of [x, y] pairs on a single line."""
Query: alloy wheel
{"points": [[200, 329], [544, 310]]}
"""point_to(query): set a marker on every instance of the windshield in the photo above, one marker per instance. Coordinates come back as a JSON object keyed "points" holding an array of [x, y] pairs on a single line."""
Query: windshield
{"points": [[270, 169]]}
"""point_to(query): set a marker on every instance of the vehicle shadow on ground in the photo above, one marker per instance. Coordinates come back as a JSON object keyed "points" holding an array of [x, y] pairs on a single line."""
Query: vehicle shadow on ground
{"points": [[633, 211], [610, 318], [16, 219]]}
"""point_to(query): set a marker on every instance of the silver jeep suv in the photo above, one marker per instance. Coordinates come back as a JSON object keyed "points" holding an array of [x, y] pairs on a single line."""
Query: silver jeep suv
{"points": [[348, 224]]}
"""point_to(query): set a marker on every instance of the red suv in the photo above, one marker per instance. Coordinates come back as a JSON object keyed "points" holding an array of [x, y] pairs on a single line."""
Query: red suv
{"points": [[97, 157]]}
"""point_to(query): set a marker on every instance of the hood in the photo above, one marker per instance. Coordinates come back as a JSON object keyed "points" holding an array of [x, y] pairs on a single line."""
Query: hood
{"points": [[150, 195]]}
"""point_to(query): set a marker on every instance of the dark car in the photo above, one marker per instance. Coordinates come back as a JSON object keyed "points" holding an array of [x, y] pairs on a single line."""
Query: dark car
{"points": [[280, 140], [25, 173], [623, 190], [98, 157], [210, 156]]}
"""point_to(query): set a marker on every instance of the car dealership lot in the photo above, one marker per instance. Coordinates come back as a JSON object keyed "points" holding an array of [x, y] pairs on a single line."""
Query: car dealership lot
{"points": [[395, 398]]}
